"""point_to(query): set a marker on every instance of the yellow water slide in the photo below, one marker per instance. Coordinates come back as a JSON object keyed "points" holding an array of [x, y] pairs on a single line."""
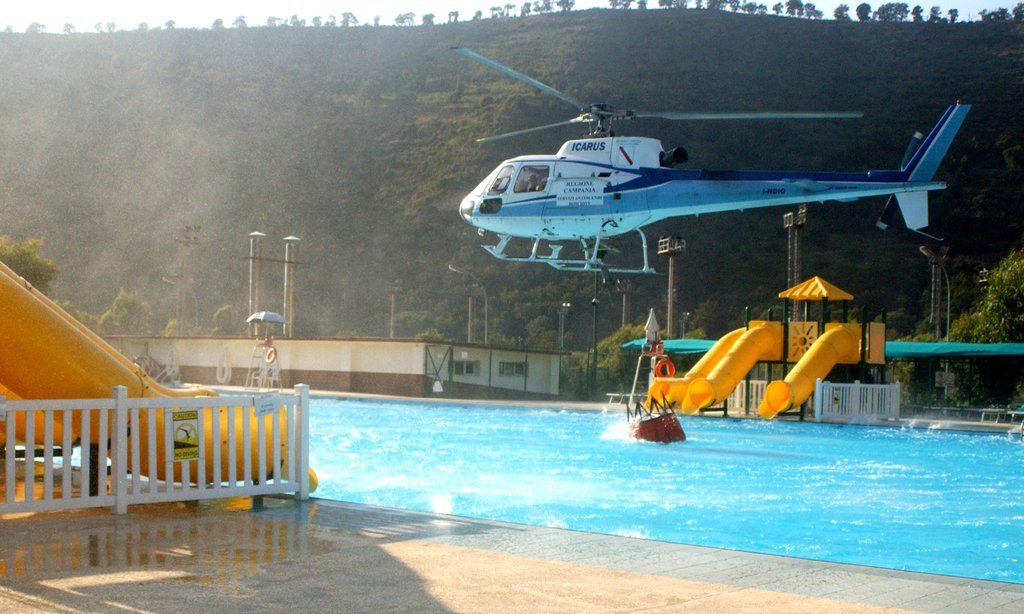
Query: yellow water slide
{"points": [[671, 391], [47, 354], [761, 341], [839, 344]]}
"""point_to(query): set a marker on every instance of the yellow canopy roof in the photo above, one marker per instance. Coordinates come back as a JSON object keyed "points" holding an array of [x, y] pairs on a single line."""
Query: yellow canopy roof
{"points": [[816, 289]]}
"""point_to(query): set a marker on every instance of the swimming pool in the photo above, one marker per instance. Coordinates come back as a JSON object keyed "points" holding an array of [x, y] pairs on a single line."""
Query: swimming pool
{"points": [[938, 502]]}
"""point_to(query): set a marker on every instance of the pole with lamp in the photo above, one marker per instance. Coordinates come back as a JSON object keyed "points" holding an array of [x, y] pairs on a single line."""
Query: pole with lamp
{"points": [[672, 247], [593, 338], [396, 287], [939, 273], [254, 277], [938, 263], [562, 310], [477, 283]]}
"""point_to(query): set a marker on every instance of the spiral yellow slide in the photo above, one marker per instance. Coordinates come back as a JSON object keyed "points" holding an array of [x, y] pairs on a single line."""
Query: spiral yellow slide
{"points": [[839, 344], [47, 354], [671, 391], [761, 341]]}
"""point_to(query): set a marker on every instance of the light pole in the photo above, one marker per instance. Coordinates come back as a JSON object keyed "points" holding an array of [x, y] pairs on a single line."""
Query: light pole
{"points": [[477, 283], [625, 287], [291, 248], [682, 323], [593, 340], [187, 238], [254, 278], [396, 287], [671, 247], [794, 223], [938, 263], [562, 310]]}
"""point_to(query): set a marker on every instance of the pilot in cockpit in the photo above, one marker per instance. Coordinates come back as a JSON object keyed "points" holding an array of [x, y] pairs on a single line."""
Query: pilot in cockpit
{"points": [[534, 183]]}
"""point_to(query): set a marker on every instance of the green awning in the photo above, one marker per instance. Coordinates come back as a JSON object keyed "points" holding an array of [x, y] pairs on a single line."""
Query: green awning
{"points": [[894, 350], [675, 346]]}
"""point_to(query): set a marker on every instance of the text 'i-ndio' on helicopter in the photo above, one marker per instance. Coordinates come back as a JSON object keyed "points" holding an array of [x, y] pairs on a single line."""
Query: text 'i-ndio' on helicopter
{"points": [[604, 185]]}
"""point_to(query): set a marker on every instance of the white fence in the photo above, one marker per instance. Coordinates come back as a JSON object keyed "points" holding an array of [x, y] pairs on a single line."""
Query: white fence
{"points": [[856, 402], [79, 453], [737, 400]]}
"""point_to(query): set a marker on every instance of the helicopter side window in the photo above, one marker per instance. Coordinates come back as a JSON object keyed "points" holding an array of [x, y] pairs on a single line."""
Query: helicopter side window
{"points": [[532, 178], [501, 181]]}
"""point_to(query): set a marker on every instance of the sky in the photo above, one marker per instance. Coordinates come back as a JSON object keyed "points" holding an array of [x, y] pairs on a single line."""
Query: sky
{"points": [[128, 14]]}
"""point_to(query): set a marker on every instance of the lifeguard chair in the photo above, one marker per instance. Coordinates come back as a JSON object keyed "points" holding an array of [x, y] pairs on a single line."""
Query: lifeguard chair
{"points": [[264, 368]]}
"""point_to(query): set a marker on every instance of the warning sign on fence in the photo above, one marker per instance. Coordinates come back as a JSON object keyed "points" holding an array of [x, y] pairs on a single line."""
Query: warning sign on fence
{"points": [[185, 423]]}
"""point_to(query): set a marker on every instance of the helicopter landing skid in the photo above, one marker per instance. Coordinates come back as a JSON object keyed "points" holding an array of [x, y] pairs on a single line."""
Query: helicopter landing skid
{"points": [[591, 260]]}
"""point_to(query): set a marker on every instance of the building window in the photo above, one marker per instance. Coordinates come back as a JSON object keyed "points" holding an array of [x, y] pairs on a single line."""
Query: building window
{"points": [[512, 368], [466, 367]]}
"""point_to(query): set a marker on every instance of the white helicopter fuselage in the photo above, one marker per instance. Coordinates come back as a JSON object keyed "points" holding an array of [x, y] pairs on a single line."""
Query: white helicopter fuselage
{"points": [[613, 185], [602, 187]]}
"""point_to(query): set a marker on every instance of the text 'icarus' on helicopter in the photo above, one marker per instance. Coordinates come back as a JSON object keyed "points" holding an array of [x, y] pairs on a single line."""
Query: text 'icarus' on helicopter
{"points": [[604, 185]]}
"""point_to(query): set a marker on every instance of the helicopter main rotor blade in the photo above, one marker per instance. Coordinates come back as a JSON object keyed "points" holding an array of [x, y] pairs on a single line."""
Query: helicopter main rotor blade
{"points": [[769, 115], [486, 139], [486, 61]]}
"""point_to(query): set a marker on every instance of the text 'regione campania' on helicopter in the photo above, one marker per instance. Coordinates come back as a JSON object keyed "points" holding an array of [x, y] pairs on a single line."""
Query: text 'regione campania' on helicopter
{"points": [[604, 185]]}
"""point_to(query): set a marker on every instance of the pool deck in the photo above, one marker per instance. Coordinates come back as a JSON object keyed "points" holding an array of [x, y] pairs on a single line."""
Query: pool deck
{"points": [[280, 554]]}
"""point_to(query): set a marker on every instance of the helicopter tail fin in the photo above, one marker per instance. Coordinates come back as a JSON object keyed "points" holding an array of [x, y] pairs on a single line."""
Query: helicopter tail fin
{"points": [[925, 159]]}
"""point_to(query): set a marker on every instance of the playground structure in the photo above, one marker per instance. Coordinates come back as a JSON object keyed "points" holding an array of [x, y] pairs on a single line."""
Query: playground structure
{"points": [[814, 348], [47, 354]]}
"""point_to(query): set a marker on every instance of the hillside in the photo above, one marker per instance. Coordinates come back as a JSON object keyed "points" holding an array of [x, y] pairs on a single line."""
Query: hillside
{"points": [[360, 141]]}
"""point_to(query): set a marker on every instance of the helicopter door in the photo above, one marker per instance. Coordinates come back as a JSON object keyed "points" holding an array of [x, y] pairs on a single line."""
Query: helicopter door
{"points": [[574, 198]]}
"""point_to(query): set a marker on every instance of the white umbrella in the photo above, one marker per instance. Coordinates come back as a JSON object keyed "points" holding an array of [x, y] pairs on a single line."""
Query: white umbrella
{"points": [[652, 330], [266, 317]]}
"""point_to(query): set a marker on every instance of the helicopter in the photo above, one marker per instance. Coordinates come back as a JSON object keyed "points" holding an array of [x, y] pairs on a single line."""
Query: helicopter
{"points": [[602, 186]]}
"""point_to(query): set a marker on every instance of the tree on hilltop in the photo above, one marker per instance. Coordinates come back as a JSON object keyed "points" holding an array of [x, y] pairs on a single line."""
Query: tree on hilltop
{"points": [[863, 12], [23, 258], [842, 13], [892, 11]]}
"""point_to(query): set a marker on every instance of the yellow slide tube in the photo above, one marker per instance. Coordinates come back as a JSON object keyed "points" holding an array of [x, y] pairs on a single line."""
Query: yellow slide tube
{"points": [[838, 344], [47, 354], [763, 341], [671, 391]]}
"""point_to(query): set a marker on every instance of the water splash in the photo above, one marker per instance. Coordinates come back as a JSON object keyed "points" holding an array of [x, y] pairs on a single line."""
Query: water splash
{"points": [[617, 431]]}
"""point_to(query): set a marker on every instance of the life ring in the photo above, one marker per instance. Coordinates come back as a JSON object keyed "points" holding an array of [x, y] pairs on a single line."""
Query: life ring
{"points": [[664, 368], [224, 367], [270, 355]]}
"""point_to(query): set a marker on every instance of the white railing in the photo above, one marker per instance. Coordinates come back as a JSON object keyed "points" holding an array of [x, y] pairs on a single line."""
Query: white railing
{"points": [[120, 451], [856, 402], [738, 398]]}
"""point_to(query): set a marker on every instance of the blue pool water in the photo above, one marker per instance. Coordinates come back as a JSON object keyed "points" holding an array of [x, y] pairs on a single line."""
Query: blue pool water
{"points": [[939, 502]]}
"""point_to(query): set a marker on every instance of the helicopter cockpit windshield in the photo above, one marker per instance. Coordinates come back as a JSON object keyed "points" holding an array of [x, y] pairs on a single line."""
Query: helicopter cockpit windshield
{"points": [[532, 178], [501, 180]]}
